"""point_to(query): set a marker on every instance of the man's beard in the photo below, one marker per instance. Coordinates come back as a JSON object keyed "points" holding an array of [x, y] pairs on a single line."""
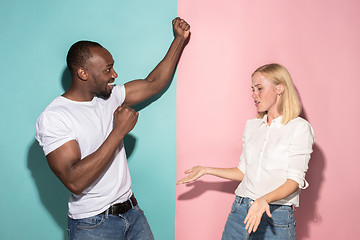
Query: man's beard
{"points": [[104, 94]]}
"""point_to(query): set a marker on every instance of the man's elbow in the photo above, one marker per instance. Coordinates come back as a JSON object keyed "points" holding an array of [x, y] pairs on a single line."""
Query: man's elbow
{"points": [[71, 184], [75, 189]]}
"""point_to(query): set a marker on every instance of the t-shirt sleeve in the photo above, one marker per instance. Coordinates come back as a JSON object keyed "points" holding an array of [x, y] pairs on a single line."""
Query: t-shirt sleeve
{"points": [[299, 154], [52, 131], [120, 94]]}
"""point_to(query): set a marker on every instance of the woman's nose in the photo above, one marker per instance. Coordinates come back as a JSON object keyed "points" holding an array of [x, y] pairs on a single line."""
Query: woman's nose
{"points": [[253, 95]]}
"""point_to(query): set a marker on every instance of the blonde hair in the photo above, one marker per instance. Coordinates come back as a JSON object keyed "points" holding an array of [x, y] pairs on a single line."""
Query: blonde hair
{"points": [[289, 106]]}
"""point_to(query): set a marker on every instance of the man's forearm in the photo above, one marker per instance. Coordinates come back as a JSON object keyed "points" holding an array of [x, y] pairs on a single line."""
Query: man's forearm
{"points": [[84, 172], [163, 72], [140, 90]]}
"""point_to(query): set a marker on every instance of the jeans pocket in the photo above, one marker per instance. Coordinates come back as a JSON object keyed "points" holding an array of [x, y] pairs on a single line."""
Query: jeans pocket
{"points": [[91, 222], [139, 209], [281, 217], [233, 207], [276, 223]]}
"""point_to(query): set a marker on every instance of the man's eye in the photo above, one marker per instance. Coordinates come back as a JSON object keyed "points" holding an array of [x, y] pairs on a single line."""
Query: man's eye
{"points": [[259, 89]]}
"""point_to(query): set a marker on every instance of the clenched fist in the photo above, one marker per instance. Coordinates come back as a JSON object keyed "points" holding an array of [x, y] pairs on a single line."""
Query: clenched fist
{"points": [[125, 119], [181, 28]]}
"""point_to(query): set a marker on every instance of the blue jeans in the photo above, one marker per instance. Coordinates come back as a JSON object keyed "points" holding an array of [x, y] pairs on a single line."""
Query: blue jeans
{"points": [[128, 226], [280, 226]]}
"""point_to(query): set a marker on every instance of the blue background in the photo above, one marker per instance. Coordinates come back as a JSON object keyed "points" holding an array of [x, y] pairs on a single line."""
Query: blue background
{"points": [[35, 37]]}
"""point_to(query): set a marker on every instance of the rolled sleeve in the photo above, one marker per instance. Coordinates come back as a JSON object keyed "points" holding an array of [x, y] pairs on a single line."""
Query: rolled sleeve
{"points": [[52, 132], [242, 163], [120, 94], [299, 154]]}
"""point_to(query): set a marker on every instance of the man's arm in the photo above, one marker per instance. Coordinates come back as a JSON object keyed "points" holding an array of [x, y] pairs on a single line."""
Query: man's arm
{"points": [[140, 90], [77, 174]]}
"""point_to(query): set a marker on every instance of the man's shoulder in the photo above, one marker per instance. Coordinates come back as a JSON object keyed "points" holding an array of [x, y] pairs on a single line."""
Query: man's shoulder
{"points": [[57, 102], [58, 106]]}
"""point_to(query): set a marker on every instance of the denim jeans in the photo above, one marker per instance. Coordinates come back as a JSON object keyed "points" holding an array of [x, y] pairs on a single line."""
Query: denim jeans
{"points": [[281, 226], [128, 226]]}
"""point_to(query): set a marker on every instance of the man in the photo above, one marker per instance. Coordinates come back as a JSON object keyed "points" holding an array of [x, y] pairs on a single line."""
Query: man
{"points": [[82, 134]]}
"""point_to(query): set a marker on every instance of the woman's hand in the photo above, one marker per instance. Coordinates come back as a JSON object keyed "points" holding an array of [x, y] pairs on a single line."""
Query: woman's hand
{"points": [[193, 174], [257, 209]]}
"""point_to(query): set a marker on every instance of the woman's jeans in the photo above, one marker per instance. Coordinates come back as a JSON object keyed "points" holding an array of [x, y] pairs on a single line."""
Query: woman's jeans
{"points": [[280, 226], [128, 226]]}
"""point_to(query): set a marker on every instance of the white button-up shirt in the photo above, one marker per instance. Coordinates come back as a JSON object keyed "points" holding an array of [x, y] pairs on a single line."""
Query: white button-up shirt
{"points": [[272, 154]]}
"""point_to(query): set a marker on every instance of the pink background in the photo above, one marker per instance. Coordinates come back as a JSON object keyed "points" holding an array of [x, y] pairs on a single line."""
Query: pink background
{"points": [[319, 43]]}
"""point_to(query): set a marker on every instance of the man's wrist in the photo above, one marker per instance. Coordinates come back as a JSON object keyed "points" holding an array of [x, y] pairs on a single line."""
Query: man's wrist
{"points": [[116, 136], [180, 37]]}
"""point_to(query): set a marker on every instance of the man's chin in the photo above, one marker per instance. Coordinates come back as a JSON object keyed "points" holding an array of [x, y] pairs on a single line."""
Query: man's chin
{"points": [[104, 95]]}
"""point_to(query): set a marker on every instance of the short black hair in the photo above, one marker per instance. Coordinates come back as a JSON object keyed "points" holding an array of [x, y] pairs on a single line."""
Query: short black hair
{"points": [[78, 54]]}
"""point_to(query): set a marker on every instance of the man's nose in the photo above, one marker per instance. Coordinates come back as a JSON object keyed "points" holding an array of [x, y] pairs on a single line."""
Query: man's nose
{"points": [[114, 75]]}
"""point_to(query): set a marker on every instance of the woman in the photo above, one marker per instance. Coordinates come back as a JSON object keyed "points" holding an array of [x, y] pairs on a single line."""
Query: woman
{"points": [[276, 152]]}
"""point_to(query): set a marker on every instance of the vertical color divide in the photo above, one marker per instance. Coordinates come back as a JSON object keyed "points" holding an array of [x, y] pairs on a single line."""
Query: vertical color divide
{"points": [[319, 46]]}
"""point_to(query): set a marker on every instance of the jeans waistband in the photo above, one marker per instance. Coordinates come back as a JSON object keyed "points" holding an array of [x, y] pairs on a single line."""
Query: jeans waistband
{"points": [[249, 202], [244, 200]]}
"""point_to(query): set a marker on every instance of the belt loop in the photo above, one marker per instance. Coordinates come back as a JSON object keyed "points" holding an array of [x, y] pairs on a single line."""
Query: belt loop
{"points": [[240, 200], [132, 205], [107, 213]]}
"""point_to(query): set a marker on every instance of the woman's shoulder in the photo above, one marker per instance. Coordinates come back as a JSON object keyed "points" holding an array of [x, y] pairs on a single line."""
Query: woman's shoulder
{"points": [[299, 121], [302, 125], [254, 121]]}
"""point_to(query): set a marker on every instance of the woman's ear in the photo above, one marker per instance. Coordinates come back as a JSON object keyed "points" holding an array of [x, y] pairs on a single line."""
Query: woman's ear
{"points": [[280, 89]]}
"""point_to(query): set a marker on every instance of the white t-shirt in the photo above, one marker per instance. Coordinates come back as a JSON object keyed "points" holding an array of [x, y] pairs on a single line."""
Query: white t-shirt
{"points": [[272, 154], [89, 123]]}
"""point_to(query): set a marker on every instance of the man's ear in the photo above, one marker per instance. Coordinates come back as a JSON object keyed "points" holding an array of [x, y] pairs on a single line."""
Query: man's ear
{"points": [[82, 74]]}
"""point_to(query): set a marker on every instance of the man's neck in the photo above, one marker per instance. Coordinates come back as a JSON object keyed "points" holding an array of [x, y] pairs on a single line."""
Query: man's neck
{"points": [[78, 96]]}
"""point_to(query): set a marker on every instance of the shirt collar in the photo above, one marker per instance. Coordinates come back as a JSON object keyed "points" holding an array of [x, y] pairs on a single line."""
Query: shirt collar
{"points": [[263, 120], [276, 121]]}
